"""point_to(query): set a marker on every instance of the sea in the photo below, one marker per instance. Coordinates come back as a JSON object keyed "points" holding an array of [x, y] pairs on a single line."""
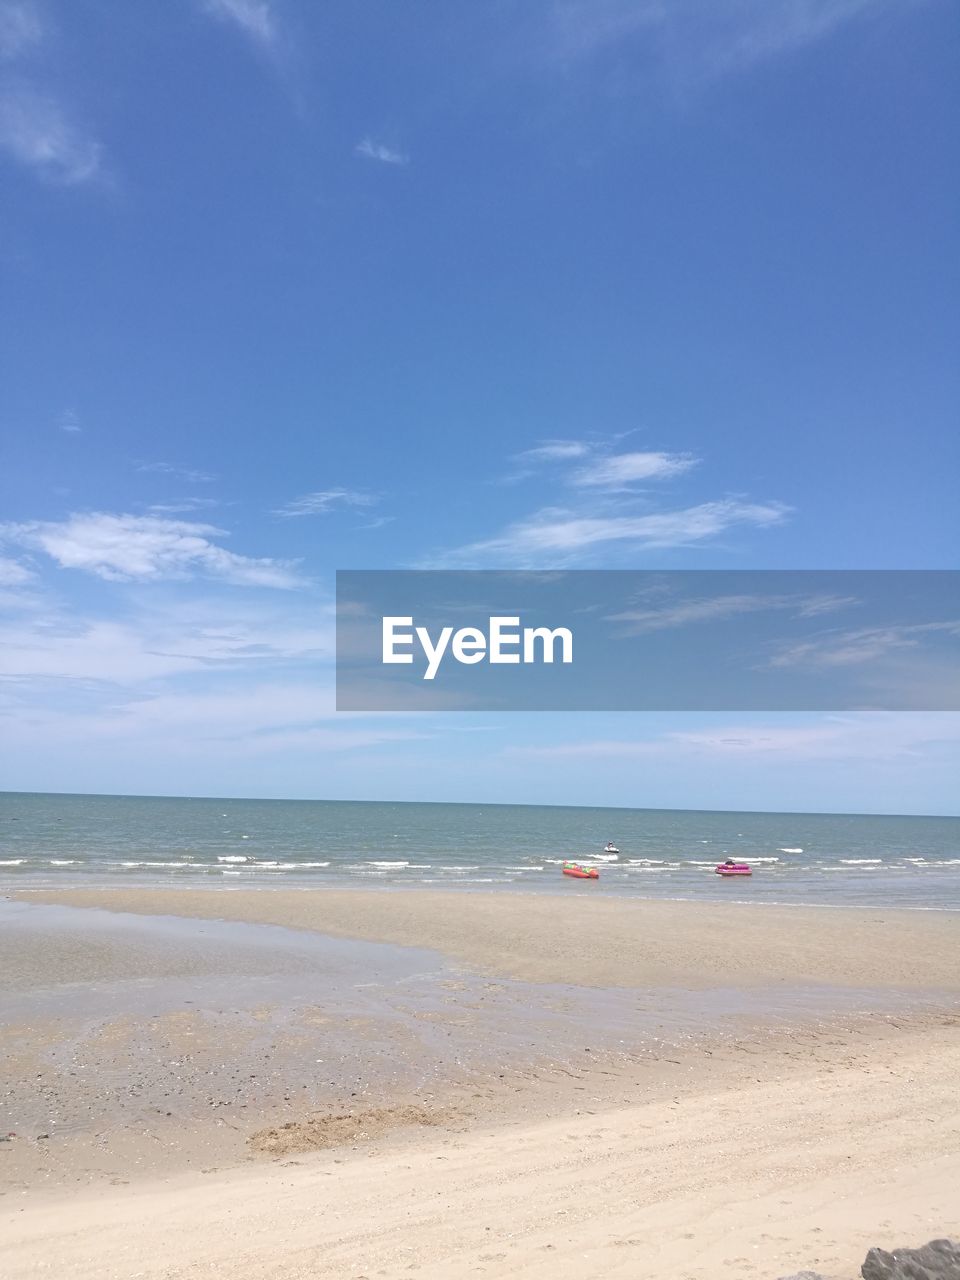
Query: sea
{"points": [[64, 841]]}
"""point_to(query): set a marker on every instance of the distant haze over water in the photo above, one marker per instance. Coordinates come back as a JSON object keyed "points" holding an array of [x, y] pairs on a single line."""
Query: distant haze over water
{"points": [[72, 841]]}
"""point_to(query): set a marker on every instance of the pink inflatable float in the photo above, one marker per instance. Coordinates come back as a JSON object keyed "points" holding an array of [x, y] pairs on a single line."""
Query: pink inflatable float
{"points": [[733, 869]]}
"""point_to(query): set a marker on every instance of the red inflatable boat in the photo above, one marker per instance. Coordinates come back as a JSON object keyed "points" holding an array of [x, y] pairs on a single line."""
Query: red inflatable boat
{"points": [[579, 872], [733, 869]]}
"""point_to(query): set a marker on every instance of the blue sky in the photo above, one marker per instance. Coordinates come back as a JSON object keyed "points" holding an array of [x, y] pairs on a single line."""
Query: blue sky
{"points": [[554, 283]]}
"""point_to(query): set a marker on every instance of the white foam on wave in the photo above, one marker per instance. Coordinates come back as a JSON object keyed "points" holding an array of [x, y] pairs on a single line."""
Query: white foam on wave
{"points": [[64, 862], [151, 864], [231, 858], [785, 850], [388, 864], [12, 862], [764, 859], [862, 862]]}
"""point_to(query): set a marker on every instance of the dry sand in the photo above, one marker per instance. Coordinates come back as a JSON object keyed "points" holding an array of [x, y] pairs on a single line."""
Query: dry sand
{"points": [[595, 941], [804, 1168]]}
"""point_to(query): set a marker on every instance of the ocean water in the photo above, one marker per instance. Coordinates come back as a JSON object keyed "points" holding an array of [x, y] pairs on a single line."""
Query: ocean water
{"points": [[72, 840]]}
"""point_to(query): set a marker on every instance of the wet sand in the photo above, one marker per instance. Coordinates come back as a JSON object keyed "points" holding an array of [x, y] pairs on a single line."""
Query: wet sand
{"points": [[595, 942], [356, 1083]]}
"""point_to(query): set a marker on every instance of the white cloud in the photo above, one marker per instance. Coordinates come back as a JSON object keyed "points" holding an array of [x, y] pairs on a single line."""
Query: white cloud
{"points": [[681, 613], [765, 28], [36, 132], [559, 536], [234, 710], [179, 473], [372, 150], [165, 639], [863, 737], [182, 505], [99, 651], [868, 644], [555, 451], [20, 28], [618, 471], [12, 573], [255, 18], [146, 548], [69, 422], [699, 40], [242, 720], [600, 469], [326, 500]]}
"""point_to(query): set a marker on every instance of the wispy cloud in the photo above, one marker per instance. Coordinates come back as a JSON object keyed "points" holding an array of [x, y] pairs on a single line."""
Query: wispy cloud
{"points": [[700, 40], [682, 613], [36, 132], [150, 644], [866, 645], [372, 150], [618, 471], [861, 737], [597, 466], [36, 128], [182, 505], [20, 28], [326, 500], [124, 548], [242, 722], [255, 18], [13, 573], [178, 473], [555, 451], [69, 422], [556, 537]]}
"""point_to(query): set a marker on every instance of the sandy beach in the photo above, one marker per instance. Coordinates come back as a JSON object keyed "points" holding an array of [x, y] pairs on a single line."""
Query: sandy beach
{"points": [[598, 942], [359, 1083]]}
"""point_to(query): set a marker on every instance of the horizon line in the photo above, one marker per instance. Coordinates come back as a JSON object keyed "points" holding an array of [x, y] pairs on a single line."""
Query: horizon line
{"points": [[476, 804]]}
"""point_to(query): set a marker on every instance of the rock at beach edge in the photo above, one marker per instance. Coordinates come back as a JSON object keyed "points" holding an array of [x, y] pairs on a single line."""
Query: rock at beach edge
{"points": [[938, 1260]]}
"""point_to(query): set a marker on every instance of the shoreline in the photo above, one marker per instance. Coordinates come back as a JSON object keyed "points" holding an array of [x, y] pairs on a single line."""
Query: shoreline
{"points": [[512, 888]]}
